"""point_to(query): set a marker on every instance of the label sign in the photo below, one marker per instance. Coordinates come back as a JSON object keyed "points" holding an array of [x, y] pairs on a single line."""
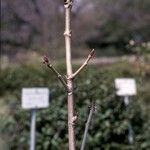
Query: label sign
{"points": [[35, 98], [125, 86]]}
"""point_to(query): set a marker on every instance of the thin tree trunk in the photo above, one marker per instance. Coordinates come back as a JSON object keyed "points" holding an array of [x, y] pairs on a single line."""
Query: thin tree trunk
{"points": [[67, 34]]}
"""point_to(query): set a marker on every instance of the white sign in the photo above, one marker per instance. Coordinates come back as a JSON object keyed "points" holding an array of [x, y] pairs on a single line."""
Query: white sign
{"points": [[125, 86], [35, 98]]}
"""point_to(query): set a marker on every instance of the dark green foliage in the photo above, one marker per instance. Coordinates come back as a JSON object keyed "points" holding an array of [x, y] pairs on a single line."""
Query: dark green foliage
{"points": [[118, 23], [109, 126]]}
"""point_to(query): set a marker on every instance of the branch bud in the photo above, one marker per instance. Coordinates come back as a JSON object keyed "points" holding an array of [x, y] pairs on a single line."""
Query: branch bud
{"points": [[45, 60]]}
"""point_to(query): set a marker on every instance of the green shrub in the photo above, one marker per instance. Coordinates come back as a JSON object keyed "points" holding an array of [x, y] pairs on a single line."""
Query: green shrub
{"points": [[109, 126]]}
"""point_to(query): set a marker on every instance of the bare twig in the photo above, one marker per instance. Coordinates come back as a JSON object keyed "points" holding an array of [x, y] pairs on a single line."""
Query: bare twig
{"points": [[92, 109], [84, 65], [46, 61]]}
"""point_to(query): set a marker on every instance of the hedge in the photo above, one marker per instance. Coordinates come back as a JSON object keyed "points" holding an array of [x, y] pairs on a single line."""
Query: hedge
{"points": [[109, 126]]}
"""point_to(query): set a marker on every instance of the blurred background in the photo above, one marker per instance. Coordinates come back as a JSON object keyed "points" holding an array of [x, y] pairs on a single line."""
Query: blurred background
{"points": [[38, 26], [118, 30]]}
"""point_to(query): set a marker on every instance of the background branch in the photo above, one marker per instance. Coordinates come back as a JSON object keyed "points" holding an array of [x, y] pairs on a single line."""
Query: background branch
{"points": [[92, 109]]}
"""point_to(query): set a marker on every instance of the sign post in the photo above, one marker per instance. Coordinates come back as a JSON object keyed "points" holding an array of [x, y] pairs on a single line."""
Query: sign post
{"points": [[126, 87], [130, 130], [34, 98], [33, 129]]}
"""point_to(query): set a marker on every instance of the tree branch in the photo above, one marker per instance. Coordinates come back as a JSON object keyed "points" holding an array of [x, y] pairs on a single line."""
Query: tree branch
{"points": [[83, 65], [92, 109], [59, 76]]}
